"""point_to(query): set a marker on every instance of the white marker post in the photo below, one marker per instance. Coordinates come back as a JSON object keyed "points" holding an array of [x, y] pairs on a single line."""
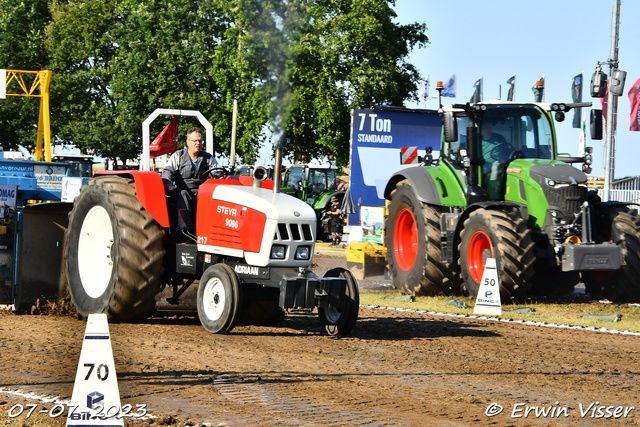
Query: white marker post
{"points": [[488, 300], [3, 84], [96, 398]]}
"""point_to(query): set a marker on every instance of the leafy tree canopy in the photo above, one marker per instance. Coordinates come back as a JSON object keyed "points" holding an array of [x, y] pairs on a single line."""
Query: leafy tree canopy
{"points": [[296, 66]]}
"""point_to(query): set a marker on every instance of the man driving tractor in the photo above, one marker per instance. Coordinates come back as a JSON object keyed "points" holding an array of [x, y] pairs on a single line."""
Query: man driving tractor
{"points": [[183, 174]]}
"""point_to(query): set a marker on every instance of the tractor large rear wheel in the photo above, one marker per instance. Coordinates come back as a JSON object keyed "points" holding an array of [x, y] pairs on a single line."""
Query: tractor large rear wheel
{"points": [[413, 246], [622, 226], [505, 237], [113, 252]]}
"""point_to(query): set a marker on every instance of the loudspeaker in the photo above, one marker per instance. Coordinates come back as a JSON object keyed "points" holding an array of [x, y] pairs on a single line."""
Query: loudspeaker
{"points": [[598, 84], [617, 82]]}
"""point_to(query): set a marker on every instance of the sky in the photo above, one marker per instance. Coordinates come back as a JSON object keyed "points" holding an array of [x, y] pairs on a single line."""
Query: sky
{"points": [[495, 39]]}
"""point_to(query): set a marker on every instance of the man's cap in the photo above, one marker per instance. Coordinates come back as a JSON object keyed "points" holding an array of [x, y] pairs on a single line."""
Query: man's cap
{"points": [[334, 199]]}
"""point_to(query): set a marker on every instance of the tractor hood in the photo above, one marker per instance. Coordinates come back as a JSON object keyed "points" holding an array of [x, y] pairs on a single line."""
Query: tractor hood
{"points": [[543, 171], [561, 173], [555, 184]]}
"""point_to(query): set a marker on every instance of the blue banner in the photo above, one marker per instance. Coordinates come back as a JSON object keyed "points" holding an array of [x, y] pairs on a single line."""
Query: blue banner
{"points": [[376, 139]]}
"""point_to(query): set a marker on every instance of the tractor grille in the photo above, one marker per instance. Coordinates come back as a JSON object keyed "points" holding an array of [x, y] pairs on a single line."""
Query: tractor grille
{"points": [[568, 198], [297, 232]]}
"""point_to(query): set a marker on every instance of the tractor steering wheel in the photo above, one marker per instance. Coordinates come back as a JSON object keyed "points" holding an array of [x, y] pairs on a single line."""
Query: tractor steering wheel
{"points": [[500, 150], [216, 172]]}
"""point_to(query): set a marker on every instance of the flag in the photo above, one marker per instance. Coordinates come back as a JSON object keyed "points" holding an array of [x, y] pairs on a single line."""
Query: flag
{"points": [[605, 102], [582, 148], [424, 93], [477, 92], [538, 92], [634, 98], [167, 141], [512, 88], [576, 94], [450, 87]]}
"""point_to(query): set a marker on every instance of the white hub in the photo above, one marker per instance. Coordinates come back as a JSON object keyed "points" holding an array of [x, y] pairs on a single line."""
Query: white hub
{"points": [[94, 252], [213, 299]]}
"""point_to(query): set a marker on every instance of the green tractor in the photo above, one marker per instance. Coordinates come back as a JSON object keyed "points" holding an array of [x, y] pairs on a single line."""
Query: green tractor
{"points": [[315, 184], [500, 190]]}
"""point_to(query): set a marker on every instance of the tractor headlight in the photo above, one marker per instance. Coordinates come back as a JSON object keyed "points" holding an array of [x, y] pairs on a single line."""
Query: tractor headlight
{"points": [[551, 183], [278, 252], [303, 252]]}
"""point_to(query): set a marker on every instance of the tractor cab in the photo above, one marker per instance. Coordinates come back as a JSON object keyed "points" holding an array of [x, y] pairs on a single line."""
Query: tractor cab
{"points": [[312, 183], [504, 135], [508, 139], [78, 165]]}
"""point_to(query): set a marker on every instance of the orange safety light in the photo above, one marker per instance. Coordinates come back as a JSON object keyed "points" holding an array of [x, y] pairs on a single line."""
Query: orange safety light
{"points": [[540, 84], [439, 85]]}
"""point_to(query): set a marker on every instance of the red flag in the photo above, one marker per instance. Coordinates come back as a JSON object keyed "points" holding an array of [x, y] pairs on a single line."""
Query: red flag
{"points": [[167, 141], [605, 103], [634, 98]]}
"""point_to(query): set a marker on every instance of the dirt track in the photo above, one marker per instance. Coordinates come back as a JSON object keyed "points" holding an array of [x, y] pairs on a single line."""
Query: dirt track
{"points": [[396, 368]]}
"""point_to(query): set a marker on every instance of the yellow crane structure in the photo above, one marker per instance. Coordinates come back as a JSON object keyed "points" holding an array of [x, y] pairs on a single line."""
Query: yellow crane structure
{"points": [[39, 88]]}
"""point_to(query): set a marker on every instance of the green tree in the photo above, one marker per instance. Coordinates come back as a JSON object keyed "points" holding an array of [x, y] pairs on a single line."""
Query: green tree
{"points": [[297, 65], [82, 45], [22, 26], [130, 57], [340, 55]]}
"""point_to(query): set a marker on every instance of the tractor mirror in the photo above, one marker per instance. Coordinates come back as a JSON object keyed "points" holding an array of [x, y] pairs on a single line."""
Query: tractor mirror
{"points": [[450, 127], [596, 124]]}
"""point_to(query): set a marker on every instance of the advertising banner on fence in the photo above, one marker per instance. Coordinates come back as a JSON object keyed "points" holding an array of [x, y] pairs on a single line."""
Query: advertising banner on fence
{"points": [[377, 139], [372, 220]]}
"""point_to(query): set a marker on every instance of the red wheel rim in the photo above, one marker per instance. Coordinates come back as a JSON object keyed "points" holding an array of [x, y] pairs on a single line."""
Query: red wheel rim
{"points": [[405, 240], [478, 246]]}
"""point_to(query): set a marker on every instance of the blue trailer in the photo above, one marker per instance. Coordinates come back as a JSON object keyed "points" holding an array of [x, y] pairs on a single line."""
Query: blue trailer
{"points": [[33, 218]]}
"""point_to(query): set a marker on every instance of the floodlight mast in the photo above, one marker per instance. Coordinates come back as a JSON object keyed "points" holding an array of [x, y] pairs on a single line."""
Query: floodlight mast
{"points": [[612, 107]]}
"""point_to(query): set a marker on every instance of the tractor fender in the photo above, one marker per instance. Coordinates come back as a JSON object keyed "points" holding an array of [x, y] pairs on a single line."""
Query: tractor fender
{"points": [[497, 205], [421, 181], [149, 190]]}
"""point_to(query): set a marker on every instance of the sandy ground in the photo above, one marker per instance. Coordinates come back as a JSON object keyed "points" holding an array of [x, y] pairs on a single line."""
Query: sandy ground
{"points": [[395, 369]]}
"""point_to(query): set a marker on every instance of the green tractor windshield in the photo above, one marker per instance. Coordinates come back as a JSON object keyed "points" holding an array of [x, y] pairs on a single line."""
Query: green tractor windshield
{"points": [[504, 133], [294, 181]]}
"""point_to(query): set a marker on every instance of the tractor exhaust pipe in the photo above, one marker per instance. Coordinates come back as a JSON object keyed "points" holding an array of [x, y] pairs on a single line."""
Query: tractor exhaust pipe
{"points": [[259, 175], [277, 168]]}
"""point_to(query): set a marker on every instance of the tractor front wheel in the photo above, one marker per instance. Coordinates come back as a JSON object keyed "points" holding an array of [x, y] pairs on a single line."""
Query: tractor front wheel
{"points": [[412, 238], [339, 321], [113, 252], [505, 237], [219, 299]]}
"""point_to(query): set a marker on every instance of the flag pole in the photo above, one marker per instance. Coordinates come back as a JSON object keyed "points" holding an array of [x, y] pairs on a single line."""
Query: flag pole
{"points": [[612, 107]]}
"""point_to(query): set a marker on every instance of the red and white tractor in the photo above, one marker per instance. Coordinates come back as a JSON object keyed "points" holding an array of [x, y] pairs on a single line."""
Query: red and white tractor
{"points": [[250, 255]]}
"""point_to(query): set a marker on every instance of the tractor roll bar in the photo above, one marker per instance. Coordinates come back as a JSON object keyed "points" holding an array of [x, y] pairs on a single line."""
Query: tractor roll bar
{"points": [[145, 160]]}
